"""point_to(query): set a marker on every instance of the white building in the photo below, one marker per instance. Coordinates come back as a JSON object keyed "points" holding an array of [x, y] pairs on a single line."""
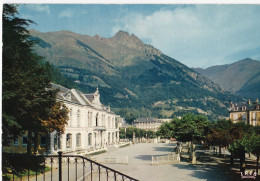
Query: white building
{"points": [[148, 124], [91, 125]]}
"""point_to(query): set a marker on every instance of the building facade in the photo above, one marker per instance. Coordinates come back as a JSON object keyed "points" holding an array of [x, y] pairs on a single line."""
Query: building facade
{"points": [[148, 124], [248, 113], [91, 126]]}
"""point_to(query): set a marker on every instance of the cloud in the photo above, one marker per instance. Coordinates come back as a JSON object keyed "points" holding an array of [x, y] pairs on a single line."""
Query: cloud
{"points": [[39, 8], [67, 13], [197, 35]]}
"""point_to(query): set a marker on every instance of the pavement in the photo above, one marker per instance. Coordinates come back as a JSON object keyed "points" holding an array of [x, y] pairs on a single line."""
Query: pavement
{"points": [[140, 166], [209, 165]]}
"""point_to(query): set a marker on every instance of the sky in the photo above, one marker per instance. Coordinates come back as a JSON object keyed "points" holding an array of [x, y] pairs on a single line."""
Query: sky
{"points": [[197, 35]]}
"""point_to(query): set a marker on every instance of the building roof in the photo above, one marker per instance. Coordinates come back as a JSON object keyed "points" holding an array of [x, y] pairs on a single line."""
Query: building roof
{"points": [[77, 97], [243, 106], [145, 120]]}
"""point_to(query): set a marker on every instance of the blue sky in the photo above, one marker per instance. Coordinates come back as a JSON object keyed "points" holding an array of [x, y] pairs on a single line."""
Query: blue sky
{"points": [[196, 35]]}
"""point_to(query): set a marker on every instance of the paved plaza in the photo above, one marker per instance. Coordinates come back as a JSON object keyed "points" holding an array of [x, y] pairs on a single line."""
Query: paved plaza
{"points": [[140, 167]]}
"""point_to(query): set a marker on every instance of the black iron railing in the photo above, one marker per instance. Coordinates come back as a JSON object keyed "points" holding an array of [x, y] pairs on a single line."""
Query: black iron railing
{"points": [[61, 167]]}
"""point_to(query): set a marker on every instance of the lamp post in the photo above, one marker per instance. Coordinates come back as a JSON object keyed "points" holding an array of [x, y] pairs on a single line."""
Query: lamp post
{"points": [[125, 133]]}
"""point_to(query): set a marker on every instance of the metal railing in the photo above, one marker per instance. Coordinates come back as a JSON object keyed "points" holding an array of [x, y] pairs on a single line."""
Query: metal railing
{"points": [[172, 158], [67, 167], [110, 159]]}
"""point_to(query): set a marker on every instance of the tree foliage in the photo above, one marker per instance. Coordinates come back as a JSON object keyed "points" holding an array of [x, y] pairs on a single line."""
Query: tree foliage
{"points": [[27, 95], [190, 127], [57, 119], [139, 133], [219, 133], [166, 130]]}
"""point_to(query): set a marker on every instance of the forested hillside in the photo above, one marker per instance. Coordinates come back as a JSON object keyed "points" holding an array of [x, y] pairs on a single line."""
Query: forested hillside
{"points": [[136, 79], [241, 77]]}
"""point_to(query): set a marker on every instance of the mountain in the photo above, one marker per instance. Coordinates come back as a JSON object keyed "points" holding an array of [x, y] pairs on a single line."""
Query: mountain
{"points": [[135, 78], [241, 77]]}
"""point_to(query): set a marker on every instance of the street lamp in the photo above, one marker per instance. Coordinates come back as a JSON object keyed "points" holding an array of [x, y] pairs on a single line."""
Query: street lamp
{"points": [[125, 133]]}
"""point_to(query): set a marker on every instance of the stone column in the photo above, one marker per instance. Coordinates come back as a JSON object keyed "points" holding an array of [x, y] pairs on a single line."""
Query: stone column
{"points": [[52, 143], [117, 136], [62, 142], [101, 138]]}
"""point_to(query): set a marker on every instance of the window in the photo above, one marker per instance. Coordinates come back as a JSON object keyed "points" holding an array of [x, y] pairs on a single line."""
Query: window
{"points": [[43, 140], [89, 119], [25, 140], [78, 140], [234, 117], [97, 120], [109, 122], [244, 116], [90, 139], [56, 142], [69, 140], [95, 136], [113, 135], [103, 120], [68, 97], [70, 118], [16, 141], [108, 137], [113, 123], [78, 118], [254, 115]]}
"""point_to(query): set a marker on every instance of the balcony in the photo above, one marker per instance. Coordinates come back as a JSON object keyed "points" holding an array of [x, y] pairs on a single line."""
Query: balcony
{"points": [[100, 128]]}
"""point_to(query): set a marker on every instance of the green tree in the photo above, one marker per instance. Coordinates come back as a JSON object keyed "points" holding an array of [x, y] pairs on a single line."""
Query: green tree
{"points": [[27, 94], [220, 134], [252, 145], [237, 145], [166, 130], [190, 128]]}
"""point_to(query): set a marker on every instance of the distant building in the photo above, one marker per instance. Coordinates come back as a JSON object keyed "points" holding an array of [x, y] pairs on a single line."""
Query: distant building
{"points": [[148, 124], [120, 121], [248, 112], [91, 126], [165, 120]]}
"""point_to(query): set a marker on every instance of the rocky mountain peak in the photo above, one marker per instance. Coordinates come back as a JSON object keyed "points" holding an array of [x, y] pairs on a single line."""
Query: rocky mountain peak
{"points": [[132, 41], [121, 35], [125, 37]]}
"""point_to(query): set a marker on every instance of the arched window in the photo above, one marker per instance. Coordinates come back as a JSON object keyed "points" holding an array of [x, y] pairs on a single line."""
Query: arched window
{"points": [[113, 123], [113, 134], [78, 118], [57, 142], [254, 115], [90, 139], [97, 119], [89, 119], [70, 117], [103, 120], [244, 116], [109, 122], [108, 138], [78, 140], [95, 136], [69, 140]]}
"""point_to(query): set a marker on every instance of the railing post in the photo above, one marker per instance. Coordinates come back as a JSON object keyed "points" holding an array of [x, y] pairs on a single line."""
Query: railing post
{"points": [[60, 165]]}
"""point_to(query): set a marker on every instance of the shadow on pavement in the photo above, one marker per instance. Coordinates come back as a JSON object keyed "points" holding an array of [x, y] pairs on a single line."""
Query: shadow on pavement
{"points": [[164, 149], [210, 172], [213, 167], [147, 157]]}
